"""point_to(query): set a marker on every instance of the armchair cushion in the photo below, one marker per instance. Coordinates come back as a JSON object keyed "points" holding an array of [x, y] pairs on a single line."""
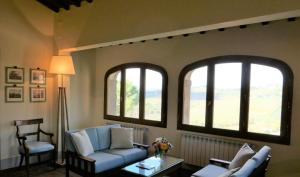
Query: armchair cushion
{"points": [[261, 155], [36, 147], [129, 155], [246, 169], [210, 171], [241, 157], [105, 161]]}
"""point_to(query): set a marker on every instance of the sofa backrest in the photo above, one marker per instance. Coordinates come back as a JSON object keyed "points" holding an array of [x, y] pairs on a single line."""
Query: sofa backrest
{"points": [[256, 166], [100, 137]]}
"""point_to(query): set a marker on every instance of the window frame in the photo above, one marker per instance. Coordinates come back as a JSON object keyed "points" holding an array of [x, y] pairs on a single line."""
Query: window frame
{"points": [[141, 119], [287, 98]]}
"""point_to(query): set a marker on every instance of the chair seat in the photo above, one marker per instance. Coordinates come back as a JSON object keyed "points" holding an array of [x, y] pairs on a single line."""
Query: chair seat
{"points": [[37, 147], [210, 171]]}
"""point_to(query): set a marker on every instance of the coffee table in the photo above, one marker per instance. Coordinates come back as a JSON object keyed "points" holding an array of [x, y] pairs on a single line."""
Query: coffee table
{"points": [[154, 167]]}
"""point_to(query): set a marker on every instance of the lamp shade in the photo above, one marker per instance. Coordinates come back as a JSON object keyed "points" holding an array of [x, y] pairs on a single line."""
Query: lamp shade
{"points": [[62, 65]]}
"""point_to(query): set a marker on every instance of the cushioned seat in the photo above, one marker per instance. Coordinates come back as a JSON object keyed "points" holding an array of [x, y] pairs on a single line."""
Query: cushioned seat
{"points": [[210, 171], [36, 147], [129, 155], [105, 161]]}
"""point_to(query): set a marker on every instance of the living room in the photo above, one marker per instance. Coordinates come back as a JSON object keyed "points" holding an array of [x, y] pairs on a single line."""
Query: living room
{"points": [[172, 38]]}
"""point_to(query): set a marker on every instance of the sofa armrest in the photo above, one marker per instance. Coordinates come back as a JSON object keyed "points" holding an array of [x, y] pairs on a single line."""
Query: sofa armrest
{"points": [[86, 159], [219, 162], [144, 146]]}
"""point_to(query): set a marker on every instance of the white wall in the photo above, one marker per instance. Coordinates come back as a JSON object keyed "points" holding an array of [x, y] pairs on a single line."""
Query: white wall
{"points": [[279, 40], [26, 40]]}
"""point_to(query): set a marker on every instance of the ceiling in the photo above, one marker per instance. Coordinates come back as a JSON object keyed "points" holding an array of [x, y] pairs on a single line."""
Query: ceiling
{"points": [[56, 5]]}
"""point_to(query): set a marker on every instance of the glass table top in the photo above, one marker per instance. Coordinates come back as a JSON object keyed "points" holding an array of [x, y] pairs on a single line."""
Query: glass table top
{"points": [[153, 165]]}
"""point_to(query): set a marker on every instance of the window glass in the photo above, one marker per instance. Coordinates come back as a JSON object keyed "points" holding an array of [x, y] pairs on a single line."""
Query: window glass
{"points": [[132, 92], [113, 93], [227, 92], [153, 95], [265, 100], [195, 84]]}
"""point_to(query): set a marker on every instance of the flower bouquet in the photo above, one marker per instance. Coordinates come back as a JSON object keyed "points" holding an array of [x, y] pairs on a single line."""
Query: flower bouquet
{"points": [[161, 146]]}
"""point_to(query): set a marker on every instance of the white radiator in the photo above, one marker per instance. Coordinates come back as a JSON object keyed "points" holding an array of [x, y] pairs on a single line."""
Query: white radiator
{"points": [[198, 149]]}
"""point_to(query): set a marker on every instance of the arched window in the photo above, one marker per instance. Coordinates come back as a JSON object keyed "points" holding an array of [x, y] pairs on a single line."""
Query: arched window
{"points": [[240, 96], [136, 93]]}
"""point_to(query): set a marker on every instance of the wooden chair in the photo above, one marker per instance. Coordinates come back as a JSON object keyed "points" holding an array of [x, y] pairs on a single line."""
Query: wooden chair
{"points": [[35, 147]]}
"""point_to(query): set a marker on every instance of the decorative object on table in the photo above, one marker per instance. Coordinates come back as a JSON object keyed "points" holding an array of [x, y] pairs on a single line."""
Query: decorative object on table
{"points": [[37, 94], [38, 76], [14, 93], [62, 66], [33, 147], [161, 146], [14, 75]]}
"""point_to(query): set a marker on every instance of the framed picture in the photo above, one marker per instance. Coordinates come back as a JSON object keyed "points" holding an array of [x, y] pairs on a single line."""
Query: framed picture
{"points": [[37, 94], [37, 76], [14, 94], [14, 75]]}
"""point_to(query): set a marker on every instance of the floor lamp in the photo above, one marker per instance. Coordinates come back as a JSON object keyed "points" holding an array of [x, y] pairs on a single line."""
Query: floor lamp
{"points": [[62, 66]]}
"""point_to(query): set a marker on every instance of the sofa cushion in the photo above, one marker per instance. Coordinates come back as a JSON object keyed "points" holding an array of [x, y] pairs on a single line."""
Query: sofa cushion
{"points": [[129, 155], [210, 171], [121, 138], [36, 147], [82, 143], [261, 155], [246, 169], [241, 157], [106, 161]]}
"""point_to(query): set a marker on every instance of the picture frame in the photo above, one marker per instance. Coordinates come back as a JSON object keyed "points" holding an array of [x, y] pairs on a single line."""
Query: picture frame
{"points": [[14, 94], [14, 75], [37, 94], [38, 76]]}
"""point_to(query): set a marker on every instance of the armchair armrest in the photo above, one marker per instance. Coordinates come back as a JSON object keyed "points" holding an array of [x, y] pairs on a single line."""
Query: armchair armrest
{"points": [[219, 162], [144, 146], [46, 133]]}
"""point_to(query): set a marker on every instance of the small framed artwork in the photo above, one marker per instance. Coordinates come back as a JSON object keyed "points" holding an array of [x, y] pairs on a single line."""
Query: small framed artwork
{"points": [[37, 94], [14, 94], [14, 75], [38, 76]]}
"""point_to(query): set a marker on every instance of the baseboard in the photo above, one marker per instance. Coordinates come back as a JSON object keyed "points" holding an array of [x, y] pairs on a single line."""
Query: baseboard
{"points": [[13, 162]]}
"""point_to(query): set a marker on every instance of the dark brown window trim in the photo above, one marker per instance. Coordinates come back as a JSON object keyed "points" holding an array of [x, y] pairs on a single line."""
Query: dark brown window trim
{"points": [[287, 97], [140, 120]]}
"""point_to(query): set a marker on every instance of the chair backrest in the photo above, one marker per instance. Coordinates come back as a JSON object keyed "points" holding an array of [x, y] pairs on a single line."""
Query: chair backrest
{"points": [[19, 123]]}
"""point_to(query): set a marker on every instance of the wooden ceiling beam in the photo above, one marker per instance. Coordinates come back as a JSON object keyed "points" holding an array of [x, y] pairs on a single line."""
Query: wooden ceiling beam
{"points": [[55, 5], [50, 5]]}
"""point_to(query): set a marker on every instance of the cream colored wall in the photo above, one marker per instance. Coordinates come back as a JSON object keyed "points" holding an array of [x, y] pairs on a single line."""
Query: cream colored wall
{"points": [[82, 90], [280, 40], [26, 40], [110, 20]]}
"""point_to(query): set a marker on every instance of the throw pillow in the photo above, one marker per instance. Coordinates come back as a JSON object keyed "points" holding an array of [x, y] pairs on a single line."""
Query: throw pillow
{"points": [[121, 138], [241, 157], [229, 172], [82, 143]]}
